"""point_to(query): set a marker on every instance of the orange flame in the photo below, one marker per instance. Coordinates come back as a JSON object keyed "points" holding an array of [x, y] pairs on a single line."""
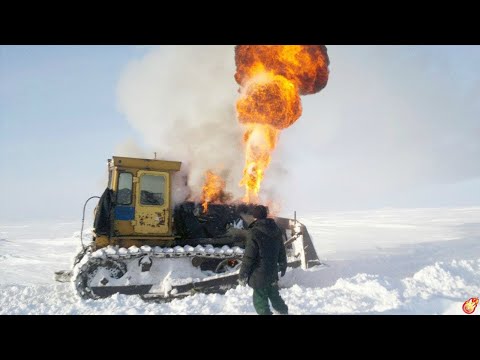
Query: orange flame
{"points": [[260, 140], [470, 305], [272, 78], [304, 65], [213, 191], [269, 99]]}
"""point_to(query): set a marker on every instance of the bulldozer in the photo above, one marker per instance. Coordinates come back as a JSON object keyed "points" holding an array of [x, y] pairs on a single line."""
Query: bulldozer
{"points": [[144, 244]]}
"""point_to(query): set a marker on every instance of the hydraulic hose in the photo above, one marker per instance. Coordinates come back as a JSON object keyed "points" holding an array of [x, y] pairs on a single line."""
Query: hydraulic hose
{"points": [[83, 218]]}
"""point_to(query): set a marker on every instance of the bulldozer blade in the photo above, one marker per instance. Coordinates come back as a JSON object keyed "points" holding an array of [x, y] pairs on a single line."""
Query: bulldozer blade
{"points": [[311, 258], [308, 254]]}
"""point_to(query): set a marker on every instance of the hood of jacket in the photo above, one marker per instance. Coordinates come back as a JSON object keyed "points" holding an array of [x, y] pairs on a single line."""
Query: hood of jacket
{"points": [[266, 226]]}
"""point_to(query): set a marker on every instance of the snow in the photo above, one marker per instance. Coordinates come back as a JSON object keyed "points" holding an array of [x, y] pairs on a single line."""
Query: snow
{"points": [[391, 261]]}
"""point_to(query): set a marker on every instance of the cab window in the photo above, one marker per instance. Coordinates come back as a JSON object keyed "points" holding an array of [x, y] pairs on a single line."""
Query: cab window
{"points": [[152, 190], [124, 193]]}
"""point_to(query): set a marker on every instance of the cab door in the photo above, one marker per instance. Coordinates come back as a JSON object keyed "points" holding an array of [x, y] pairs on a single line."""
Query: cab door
{"points": [[152, 203]]}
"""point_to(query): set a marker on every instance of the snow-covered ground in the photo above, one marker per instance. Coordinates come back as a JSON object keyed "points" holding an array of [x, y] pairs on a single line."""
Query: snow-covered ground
{"points": [[408, 261]]}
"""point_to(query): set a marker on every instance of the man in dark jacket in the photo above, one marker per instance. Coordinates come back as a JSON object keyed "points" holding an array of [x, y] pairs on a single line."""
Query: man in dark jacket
{"points": [[264, 257]]}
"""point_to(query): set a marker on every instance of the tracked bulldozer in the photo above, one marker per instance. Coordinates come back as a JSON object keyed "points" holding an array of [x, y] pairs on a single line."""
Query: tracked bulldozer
{"points": [[144, 244]]}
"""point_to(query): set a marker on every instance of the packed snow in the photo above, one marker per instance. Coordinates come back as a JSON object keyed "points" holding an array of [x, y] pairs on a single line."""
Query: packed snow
{"points": [[395, 261]]}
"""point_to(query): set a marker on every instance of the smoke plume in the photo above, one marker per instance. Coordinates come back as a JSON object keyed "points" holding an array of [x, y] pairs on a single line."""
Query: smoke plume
{"points": [[181, 100]]}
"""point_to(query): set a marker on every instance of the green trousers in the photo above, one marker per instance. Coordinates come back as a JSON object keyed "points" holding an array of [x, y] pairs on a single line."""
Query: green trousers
{"points": [[261, 297]]}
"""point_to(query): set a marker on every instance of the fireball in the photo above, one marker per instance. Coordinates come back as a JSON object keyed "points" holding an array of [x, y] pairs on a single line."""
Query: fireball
{"points": [[272, 78]]}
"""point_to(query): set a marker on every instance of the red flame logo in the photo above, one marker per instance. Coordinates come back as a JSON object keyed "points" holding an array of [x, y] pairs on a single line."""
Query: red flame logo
{"points": [[470, 305]]}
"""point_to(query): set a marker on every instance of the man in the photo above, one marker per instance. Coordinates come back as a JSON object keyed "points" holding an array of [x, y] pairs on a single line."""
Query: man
{"points": [[264, 257]]}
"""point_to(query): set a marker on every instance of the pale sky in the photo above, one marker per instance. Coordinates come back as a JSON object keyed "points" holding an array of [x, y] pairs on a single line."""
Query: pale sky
{"points": [[397, 126]]}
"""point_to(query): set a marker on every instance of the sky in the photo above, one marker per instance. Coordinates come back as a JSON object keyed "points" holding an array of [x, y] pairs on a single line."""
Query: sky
{"points": [[396, 126]]}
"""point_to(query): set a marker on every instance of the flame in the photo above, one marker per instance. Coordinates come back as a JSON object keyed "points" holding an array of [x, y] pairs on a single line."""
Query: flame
{"points": [[304, 65], [272, 78], [269, 99], [470, 305], [260, 140], [213, 191]]}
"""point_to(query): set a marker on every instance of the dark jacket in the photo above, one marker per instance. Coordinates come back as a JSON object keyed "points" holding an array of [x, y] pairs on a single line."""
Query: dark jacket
{"points": [[264, 254]]}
